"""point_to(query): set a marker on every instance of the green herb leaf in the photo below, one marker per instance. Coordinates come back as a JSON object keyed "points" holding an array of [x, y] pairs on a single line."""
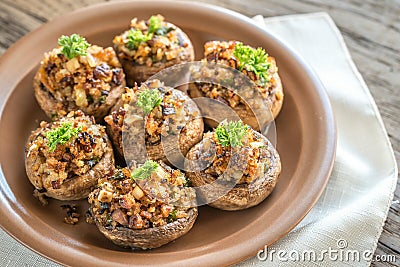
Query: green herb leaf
{"points": [[118, 174], [231, 133], [73, 45], [172, 216], [188, 183], [254, 60], [144, 171], [164, 31], [148, 100], [109, 219], [136, 37], [61, 135], [103, 99], [154, 24]]}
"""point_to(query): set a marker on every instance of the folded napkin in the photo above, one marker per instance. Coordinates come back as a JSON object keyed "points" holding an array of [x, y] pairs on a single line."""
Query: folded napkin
{"points": [[349, 217], [351, 212]]}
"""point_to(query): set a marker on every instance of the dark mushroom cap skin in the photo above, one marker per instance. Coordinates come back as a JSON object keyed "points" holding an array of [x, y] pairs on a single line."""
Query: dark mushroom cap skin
{"points": [[132, 216], [163, 50], [70, 172], [91, 83], [177, 116], [152, 237], [261, 171], [271, 91]]}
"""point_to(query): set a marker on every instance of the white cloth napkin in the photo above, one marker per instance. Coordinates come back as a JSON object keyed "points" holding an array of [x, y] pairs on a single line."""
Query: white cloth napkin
{"points": [[349, 216]]}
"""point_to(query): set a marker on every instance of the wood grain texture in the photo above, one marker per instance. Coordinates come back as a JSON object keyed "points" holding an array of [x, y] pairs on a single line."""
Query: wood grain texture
{"points": [[371, 30]]}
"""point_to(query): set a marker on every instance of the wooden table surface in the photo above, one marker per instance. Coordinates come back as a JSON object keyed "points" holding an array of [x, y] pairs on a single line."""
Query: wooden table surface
{"points": [[371, 29]]}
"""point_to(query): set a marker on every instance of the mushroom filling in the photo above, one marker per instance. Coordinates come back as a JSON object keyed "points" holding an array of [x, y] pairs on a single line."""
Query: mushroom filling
{"points": [[150, 41], [252, 148], [255, 63], [82, 81], [166, 116], [66, 148], [120, 201]]}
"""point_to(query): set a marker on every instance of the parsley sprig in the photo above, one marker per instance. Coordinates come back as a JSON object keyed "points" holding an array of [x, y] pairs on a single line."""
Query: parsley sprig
{"points": [[231, 133], [149, 99], [144, 171], [73, 45], [136, 36], [254, 60], [154, 24], [61, 135]]}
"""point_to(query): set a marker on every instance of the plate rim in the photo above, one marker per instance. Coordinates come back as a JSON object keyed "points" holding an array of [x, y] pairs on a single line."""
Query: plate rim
{"points": [[9, 217]]}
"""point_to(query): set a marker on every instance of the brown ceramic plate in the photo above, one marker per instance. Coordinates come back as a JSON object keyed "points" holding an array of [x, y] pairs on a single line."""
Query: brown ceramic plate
{"points": [[305, 130]]}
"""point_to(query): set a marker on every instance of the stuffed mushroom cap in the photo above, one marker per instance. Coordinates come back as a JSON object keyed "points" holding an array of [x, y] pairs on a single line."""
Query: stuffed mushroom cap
{"points": [[172, 122], [64, 158], [257, 65], [150, 46], [233, 167], [133, 216], [90, 79]]}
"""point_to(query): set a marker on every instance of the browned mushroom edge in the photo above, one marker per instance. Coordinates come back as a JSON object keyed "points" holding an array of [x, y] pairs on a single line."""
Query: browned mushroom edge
{"points": [[271, 91], [176, 115], [163, 50], [91, 83], [132, 216], [258, 179], [71, 171]]}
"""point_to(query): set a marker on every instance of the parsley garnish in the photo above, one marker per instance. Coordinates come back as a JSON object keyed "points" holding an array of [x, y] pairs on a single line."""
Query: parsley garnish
{"points": [[154, 24], [144, 171], [74, 45], [135, 38], [61, 135], [254, 60], [172, 216], [148, 100], [231, 133]]}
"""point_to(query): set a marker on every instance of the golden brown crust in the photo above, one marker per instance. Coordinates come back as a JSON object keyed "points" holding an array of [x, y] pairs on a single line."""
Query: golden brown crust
{"points": [[139, 73], [90, 83], [277, 100], [190, 135], [244, 113], [142, 66], [72, 188], [77, 187], [241, 196], [271, 91], [51, 106], [143, 210]]}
